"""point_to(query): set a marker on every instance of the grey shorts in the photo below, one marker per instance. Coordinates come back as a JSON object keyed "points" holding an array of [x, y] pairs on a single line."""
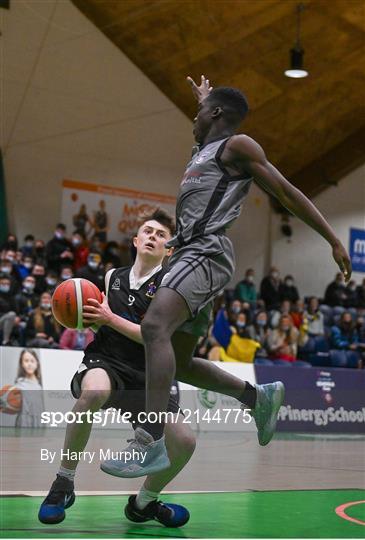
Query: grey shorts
{"points": [[199, 275]]}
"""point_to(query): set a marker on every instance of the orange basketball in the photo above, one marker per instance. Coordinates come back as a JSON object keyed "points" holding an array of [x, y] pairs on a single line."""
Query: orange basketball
{"points": [[68, 299], [10, 399]]}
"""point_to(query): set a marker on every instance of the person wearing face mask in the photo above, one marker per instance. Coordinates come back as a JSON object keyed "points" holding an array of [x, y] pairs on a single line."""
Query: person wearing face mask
{"points": [[39, 273], [314, 317], [25, 267], [269, 289], [245, 290], [283, 341], [7, 269], [66, 273], [59, 249], [80, 250], [93, 271], [10, 243], [28, 248], [351, 294], [335, 294], [51, 281], [42, 329], [288, 290], [8, 316], [259, 331], [40, 253], [241, 325], [27, 300]]}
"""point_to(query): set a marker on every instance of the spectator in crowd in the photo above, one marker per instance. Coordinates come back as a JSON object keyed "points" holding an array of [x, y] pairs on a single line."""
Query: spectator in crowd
{"points": [[80, 249], [335, 294], [288, 290], [25, 267], [8, 316], [297, 313], [259, 331], [315, 318], [39, 273], [275, 314], [283, 341], [361, 295], [40, 253], [360, 327], [233, 311], [51, 281], [269, 289], [80, 221], [351, 294], [7, 269], [76, 339], [240, 327], [66, 273], [27, 299], [245, 290], [101, 223], [93, 271], [10, 243], [59, 249], [112, 255], [28, 248], [344, 335], [42, 329]]}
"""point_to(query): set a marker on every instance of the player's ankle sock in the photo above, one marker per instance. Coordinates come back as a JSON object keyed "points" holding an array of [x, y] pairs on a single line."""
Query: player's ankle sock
{"points": [[156, 430], [144, 497], [67, 473], [248, 396]]}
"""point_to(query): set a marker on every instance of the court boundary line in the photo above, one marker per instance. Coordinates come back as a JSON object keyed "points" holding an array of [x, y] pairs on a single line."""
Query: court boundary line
{"points": [[340, 511]]}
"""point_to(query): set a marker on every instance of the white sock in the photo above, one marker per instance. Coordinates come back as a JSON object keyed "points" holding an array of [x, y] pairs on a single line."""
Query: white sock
{"points": [[144, 497], [67, 473]]}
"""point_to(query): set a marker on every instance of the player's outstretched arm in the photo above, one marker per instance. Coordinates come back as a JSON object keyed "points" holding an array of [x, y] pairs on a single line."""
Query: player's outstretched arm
{"points": [[94, 313], [202, 91], [251, 157]]}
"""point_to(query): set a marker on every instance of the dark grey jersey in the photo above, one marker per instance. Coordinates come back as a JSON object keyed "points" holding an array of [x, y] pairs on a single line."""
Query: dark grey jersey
{"points": [[210, 198]]}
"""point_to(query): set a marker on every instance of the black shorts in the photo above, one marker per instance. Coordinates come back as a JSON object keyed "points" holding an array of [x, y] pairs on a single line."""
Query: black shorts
{"points": [[127, 385]]}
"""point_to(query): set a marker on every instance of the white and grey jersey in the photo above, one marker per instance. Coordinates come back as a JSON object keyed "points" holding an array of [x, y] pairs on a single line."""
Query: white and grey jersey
{"points": [[210, 198]]}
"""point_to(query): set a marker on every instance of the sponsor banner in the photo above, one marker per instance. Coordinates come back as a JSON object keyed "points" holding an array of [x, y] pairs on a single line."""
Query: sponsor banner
{"points": [[123, 206], [321, 400], [357, 249]]}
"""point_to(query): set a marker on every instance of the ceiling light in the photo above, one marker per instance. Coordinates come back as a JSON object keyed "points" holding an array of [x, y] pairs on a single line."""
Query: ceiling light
{"points": [[296, 70]]}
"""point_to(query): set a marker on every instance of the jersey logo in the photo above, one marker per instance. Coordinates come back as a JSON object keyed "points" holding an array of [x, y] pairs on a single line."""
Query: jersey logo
{"points": [[131, 300], [151, 290], [116, 285]]}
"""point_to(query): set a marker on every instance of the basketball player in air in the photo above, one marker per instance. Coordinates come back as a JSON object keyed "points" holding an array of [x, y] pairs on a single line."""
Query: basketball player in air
{"points": [[112, 374], [213, 188]]}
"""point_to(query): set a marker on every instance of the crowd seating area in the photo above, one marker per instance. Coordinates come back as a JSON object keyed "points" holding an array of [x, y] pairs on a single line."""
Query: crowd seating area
{"points": [[267, 324]]}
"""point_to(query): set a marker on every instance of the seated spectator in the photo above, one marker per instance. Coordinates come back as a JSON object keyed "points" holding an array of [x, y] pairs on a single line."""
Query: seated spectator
{"points": [[59, 249], [269, 289], [25, 267], [274, 315], [27, 299], [245, 290], [28, 248], [361, 295], [42, 329], [7, 310], [335, 294], [39, 273], [351, 294], [344, 335], [288, 290], [94, 270], [7, 269], [66, 273], [240, 326], [259, 331], [297, 313], [51, 281], [80, 249], [315, 318], [76, 339], [40, 253], [283, 341], [112, 255]]}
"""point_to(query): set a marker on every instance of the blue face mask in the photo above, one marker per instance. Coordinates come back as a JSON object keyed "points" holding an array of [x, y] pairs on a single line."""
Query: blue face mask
{"points": [[4, 288], [260, 322], [240, 324]]}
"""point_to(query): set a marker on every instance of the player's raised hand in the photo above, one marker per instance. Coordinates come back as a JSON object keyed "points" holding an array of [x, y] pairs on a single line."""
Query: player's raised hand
{"points": [[202, 91], [343, 260]]}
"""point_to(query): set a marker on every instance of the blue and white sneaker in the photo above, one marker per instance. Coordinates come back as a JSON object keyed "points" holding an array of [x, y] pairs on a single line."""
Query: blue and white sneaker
{"points": [[170, 515], [268, 402], [60, 496], [143, 456]]}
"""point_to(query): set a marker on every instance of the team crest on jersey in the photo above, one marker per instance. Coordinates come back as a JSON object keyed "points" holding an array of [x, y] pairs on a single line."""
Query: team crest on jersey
{"points": [[151, 290], [116, 285]]}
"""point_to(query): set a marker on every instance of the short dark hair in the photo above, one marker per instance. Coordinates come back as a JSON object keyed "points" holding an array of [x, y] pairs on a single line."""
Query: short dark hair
{"points": [[61, 226], [29, 237], [232, 100], [162, 217]]}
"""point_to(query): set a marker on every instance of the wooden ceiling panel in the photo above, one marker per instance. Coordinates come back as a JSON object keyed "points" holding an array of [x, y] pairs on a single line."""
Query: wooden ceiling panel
{"points": [[310, 128]]}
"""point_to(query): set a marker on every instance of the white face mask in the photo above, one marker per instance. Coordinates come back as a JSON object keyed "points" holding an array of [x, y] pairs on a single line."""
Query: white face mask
{"points": [[46, 306], [51, 281], [5, 270], [76, 242], [250, 279], [93, 265], [28, 265], [29, 286], [66, 276], [289, 282], [4, 288], [275, 275]]}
